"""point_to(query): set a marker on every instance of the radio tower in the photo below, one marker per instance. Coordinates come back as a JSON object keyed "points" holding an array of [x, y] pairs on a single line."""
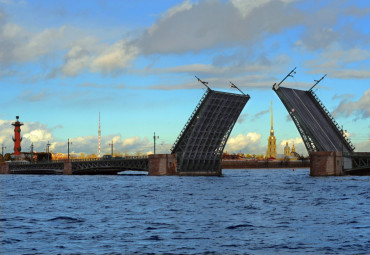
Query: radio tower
{"points": [[99, 135]]}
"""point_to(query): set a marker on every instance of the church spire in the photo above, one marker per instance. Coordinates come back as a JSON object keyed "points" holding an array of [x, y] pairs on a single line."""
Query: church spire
{"points": [[271, 146], [272, 122], [272, 119]]}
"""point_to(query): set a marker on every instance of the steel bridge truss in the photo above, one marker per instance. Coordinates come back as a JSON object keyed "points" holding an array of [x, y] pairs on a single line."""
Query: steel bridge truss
{"points": [[43, 167], [83, 166], [360, 161], [317, 127], [201, 142], [110, 165]]}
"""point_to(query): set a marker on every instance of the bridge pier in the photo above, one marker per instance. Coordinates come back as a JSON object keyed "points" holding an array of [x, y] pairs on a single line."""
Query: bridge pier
{"points": [[4, 168], [326, 163], [162, 164], [67, 167]]}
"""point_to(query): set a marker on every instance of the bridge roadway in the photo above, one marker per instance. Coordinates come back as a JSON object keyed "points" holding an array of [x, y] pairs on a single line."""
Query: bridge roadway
{"points": [[318, 128], [77, 166]]}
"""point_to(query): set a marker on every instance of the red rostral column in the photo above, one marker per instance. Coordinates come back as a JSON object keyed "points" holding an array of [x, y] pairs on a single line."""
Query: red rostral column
{"points": [[17, 136]]}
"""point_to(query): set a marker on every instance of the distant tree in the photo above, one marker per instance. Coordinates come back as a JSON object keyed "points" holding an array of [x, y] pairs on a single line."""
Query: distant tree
{"points": [[82, 155], [1, 158]]}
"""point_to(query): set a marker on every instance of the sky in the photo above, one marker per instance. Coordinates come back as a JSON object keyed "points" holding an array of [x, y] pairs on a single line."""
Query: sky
{"points": [[63, 62]]}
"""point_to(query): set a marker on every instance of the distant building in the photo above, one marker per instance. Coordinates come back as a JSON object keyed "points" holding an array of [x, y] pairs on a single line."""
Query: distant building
{"points": [[288, 154], [271, 146], [287, 149]]}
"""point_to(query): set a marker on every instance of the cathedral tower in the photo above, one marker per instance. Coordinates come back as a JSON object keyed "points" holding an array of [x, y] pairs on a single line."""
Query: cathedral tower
{"points": [[287, 149], [271, 146]]}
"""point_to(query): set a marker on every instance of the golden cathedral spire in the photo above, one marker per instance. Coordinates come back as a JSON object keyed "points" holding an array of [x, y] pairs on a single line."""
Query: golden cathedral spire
{"points": [[272, 118], [271, 146]]}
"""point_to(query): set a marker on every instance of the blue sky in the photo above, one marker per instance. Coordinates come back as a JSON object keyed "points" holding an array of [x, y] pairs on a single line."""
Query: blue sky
{"points": [[63, 62]]}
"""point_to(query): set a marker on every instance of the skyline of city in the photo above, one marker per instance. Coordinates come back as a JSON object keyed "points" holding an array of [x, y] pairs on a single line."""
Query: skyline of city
{"points": [[64, 62]]}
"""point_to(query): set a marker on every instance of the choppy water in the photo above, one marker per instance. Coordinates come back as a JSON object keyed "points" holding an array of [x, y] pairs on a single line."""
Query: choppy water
{"points": [[243, 212]]}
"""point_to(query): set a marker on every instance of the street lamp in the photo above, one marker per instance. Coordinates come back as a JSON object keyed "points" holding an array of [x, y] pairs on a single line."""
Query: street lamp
{"points": [[47, 149], [31, 152], [68, 148], [111, 144], [155, 137], [2, 149], [235, 87]]}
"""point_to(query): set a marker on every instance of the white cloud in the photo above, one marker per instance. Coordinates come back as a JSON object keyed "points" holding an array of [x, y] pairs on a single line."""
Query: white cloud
{"points": [[184, 6], [115, 58], [360, 108], [209, 24], [246, 6], [76, 59], [89, 54], [249, 143], [38, 135], [291, 141], [19, 45], [338, 63]]}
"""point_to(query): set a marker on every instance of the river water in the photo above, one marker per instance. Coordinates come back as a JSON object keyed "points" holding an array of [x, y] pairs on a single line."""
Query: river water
{"points": [[244, 212]]}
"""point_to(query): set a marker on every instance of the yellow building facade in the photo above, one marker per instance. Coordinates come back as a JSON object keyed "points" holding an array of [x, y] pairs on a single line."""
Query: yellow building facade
{"points": [[271, 146]]}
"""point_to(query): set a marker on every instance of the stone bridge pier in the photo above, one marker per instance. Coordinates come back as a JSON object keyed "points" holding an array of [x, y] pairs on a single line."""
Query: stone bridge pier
{"points": [[162, 164]]}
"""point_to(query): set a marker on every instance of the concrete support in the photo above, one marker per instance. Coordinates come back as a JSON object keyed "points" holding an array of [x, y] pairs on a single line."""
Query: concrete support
{"points": [[326, 163], [67, 167], [4, 168], [162, 164]]}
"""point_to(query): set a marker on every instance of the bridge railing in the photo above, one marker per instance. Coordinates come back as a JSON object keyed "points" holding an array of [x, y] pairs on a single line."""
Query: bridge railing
{"points": [[35, 162], [331, 118], [109, 159], [189, 120], [77, 160]]}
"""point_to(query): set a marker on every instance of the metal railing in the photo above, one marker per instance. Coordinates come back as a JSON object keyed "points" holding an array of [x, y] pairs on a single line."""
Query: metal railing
{"points": [[331, 118], [189, 120], [77, 160]]}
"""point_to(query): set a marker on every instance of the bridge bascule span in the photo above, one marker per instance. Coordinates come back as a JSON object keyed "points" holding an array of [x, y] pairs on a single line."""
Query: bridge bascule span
{"points": [[323, 138], [201, 142]]}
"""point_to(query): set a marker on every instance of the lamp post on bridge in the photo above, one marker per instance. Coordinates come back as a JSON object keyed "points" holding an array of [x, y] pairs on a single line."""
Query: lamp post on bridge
{"points": [[47, 149], [235, 87], [155, 137], [31, 152], [68, 148], [2, 150], [111, 144]]}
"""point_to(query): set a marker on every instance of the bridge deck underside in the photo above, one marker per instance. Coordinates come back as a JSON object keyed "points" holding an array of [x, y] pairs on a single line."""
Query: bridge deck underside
{"points": [[200, 145], [111, 166], [315, 126]]}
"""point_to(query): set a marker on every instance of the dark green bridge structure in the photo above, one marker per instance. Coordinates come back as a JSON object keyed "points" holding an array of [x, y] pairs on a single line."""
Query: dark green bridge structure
{"points": [[320, 133], [76, 166]]}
